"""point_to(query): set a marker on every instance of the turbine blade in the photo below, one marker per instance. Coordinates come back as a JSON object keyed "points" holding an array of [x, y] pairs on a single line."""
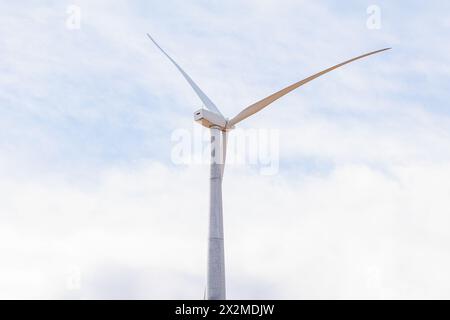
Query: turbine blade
{"points": [[254, 108], [208, 103]]}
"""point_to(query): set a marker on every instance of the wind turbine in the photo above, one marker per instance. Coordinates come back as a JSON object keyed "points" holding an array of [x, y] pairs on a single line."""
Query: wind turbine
{"points": [[219, 126]]}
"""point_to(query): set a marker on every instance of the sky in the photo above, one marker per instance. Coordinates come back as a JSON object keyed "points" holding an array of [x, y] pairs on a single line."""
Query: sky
{"points": [[94, 206]]}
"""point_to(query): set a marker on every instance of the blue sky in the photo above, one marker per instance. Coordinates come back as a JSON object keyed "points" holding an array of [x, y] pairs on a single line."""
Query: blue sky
{"points": [[359, 207]]}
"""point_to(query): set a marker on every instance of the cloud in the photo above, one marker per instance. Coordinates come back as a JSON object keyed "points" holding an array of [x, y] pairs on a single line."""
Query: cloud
{"points": [[355, 233]]}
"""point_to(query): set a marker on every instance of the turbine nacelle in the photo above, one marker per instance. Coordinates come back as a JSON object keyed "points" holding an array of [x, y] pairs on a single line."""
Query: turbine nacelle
{"points": [[210, 119]]}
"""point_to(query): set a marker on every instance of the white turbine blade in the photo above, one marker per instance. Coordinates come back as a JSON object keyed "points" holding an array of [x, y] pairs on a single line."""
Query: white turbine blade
{"points": [[208, 103], [254, 108]]}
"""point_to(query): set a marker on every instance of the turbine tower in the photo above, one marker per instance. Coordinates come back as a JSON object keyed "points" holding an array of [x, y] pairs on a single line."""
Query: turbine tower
{"points": [[212, 118]]}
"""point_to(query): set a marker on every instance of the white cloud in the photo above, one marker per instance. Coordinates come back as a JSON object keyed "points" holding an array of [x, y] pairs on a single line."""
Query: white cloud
{"points": [[355, 233]]}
